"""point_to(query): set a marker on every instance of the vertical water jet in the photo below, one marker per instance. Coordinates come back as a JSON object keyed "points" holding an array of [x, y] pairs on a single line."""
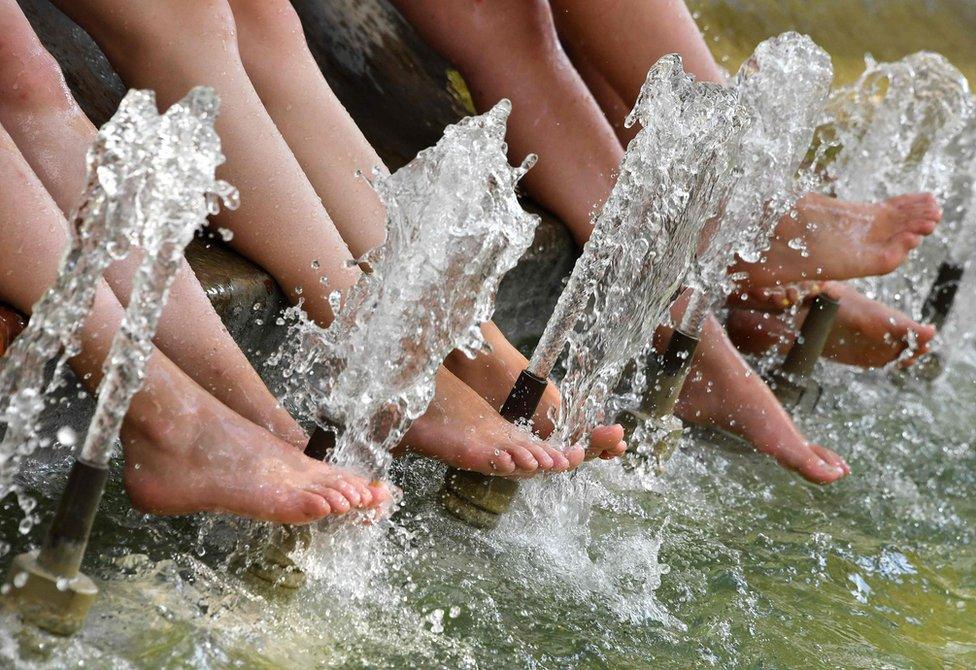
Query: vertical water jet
{"points": [[151, 184]]}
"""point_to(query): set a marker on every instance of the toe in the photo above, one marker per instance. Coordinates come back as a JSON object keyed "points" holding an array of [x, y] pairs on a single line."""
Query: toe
{"points": [[831, 457], [523, 458], [306, 507], [540, 452], [605, 438], [922, 226], [559, 461], [348, 490], [500, 463], [575, 456], [918, 205], [338, 502], [380, 493], [816, 469]]}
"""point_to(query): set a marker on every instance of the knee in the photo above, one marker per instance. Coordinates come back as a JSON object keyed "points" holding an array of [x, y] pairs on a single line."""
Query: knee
{"points": [[29, 75], [273, 23]]}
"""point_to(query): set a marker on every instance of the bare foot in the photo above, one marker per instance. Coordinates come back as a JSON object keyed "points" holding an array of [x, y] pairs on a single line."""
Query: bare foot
{"points": [[723, 392], [867, 333], [464, 431], [209, 459], [492, 376], [827, 238], [775, 298]]}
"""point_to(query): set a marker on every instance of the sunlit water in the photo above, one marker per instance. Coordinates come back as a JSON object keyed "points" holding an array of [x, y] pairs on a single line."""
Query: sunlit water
{"points": [[725, 561]]}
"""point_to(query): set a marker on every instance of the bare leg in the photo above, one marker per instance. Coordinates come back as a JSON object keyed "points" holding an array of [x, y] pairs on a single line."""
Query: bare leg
{"points": [[184, 450], [174, 45], [616, 42], [506, 49], [311, 118], [623, 39], [724, 392], [281, 225], [509, 49], [866, 334], [53, 134]]}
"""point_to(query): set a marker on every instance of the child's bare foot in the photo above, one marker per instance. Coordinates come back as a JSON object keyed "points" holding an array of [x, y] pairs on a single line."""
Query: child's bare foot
{"points": [[183, 460], [492, 375], [775, 298], [827, 238], [464, 431], [723, 392], [867, 333]]}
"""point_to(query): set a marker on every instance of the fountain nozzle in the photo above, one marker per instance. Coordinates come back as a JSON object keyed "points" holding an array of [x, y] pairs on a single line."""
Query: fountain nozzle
{"points": [[792, 382], [479, 500], [47, 587], [666, 376]]}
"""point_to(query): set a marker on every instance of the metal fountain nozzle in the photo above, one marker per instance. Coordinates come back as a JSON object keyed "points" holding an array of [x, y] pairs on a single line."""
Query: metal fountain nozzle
{"points": [[935, 310], [47, 586], [792, 382], [479, 500], [666, 377], [938, 304]]}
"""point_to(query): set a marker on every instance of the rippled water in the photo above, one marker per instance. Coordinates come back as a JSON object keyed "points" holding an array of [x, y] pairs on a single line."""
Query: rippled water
{"points": [[755, 567], [726, 561]]}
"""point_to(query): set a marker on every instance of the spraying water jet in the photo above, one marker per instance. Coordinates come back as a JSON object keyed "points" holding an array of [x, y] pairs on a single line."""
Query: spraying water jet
{"points": [[673, 175], [155, 173], [783, 85]]}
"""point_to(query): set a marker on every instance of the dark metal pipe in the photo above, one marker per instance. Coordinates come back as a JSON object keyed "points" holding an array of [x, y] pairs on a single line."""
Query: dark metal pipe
{"points": [[666, 377], [806, 351], [48, 587], [791, 382], [942, 295]]}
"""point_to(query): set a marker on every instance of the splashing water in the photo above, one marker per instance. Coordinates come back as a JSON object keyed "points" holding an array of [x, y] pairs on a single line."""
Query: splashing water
{"points": [[673, 177], [175, 189], [454, 228], [784, 85], [891, 128], [902, 128], [112, 217]]}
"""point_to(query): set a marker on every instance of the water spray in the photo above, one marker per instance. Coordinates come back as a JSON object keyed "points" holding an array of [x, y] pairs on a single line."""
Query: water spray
{"points": [[479, 500], [172, 181], [673, 175], [454, 228], [784, 85]]}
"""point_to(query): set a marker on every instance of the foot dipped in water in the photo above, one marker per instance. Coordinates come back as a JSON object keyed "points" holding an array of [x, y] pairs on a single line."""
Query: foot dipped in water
{"points": [[493, 374], [202, 457], [723, 392], [866, 333], [826, 238]]}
